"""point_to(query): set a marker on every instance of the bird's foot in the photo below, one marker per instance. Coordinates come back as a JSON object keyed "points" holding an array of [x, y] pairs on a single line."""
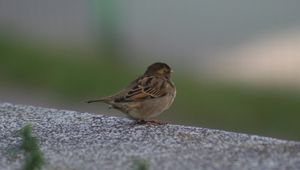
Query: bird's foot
{"points": [[157, 122], [151, 122], [141, 122]]}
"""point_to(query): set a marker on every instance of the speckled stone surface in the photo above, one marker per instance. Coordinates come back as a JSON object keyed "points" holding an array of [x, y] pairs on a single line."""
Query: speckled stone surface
{"points": [[73, 140]]}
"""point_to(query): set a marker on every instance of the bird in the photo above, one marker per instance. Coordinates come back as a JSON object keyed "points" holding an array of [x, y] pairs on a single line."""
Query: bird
{"points": [[147, 96]]}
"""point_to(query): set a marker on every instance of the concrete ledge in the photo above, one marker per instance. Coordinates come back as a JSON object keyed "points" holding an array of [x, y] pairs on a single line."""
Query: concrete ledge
{"points": [[73, 140]]}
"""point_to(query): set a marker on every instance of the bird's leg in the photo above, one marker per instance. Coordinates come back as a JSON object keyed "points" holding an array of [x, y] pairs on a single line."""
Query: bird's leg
{"points": [[156, 122], [141, 121], [150, 122]]}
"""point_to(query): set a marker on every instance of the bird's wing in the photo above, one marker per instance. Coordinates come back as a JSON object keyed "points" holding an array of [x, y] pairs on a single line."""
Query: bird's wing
{"points": [[144, 87]]}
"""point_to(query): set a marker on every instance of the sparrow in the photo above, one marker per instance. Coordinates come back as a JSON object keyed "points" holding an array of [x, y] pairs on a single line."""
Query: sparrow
{"points": [[147, 96]]}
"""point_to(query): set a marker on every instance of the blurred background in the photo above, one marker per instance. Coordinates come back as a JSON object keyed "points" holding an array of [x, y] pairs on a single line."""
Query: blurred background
{"points": [[237, 63]]}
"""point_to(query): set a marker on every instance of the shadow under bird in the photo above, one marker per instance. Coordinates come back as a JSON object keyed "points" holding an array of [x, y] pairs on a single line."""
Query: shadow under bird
{"points": [[147, 96]]}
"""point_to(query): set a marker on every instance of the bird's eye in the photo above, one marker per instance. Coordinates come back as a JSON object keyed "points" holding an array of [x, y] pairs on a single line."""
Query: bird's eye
{"points": [[160, 71]]}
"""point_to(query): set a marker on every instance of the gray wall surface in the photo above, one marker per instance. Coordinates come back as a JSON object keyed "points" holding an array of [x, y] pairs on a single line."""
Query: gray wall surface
{"points": [[73, 140]]}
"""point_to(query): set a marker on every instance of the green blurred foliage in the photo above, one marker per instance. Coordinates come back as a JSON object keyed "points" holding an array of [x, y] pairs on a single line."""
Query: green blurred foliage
{"points": [[140, 164], [33, 155], [68, 73], [229, 106]]}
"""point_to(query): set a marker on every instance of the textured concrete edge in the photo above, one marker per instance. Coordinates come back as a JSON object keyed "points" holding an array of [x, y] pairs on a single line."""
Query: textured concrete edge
{"points": [[75, 140], [234, 133]]}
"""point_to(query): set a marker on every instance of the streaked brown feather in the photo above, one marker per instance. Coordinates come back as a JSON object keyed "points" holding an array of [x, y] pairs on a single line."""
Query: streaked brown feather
{"points": [[146, 87]]}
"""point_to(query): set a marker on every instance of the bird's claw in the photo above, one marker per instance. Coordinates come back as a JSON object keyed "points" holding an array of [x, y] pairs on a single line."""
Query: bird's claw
{"points": [[151, 122]]}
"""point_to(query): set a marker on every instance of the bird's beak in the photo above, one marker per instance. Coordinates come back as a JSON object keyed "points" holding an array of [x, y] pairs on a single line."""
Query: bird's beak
{"points": [[172, 71]]}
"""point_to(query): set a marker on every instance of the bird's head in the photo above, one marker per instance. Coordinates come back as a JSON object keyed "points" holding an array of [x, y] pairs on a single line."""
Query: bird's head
{"points": [[159, 69]]}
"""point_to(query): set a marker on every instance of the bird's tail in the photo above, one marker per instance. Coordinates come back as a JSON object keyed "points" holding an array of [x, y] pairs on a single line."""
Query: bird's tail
{"points": [[104, 100]]}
